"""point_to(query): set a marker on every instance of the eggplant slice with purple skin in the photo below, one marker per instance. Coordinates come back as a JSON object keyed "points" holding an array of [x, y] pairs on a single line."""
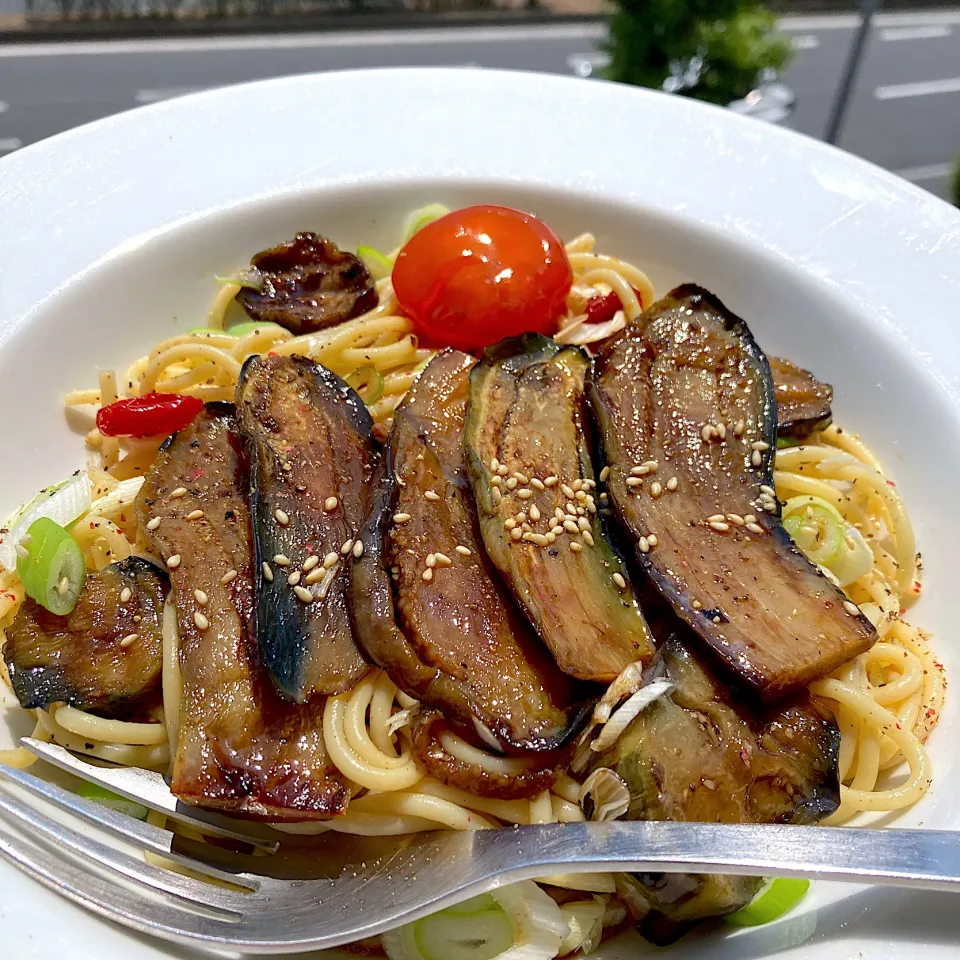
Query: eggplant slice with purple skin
{"points": [[529, 462], [307, 436], [803, 401], [684, 400], [241, 749], [308, 284], [80, 658], [426, 603]]}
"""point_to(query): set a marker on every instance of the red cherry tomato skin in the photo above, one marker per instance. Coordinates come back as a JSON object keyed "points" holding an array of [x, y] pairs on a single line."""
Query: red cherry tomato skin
{"points": [[602, 307], [480, 274], [152, 415]]}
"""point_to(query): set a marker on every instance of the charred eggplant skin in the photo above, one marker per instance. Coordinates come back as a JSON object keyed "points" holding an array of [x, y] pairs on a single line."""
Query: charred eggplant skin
{"points": [[803, 401], [451, 638], [686, 388], [78, 659], [307, 436], [527, 417]]}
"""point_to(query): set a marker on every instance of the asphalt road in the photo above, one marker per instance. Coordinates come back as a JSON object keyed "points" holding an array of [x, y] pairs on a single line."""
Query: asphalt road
{"points": [[904, 115]]}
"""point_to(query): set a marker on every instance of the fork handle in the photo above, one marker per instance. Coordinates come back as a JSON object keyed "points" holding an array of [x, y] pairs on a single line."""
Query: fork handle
{"points": [[924, 859]]}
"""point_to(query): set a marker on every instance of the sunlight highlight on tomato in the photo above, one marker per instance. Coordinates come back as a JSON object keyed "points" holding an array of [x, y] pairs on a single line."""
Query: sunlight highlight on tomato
{"points": [[480, 274]]}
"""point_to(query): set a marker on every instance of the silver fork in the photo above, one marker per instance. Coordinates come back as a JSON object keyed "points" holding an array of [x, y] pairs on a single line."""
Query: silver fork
{"points": [[329, 890]]}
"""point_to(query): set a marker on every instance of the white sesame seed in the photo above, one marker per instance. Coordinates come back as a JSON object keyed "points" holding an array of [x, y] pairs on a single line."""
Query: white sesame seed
{"points": [[754, 528], [358, 549], [644, 544], [604, 474], [634, 482], [281, 560], [129, 639], [851, 608], [463, 551], [201, 621], [536, 484], [769, 491], [738, 428], [497, 495], [604, 497], [719, 526], [706, 434], [200, 597], [755, 459], [572, 510], [431, 559], [427, 574], [330, 503], [511, 484], [566, 490], [575, 547], [228, 577], [672, 484], [330, 559], [583, 523], [556, 529], [652, 539], [551, 481], [534, 512], [510, 523], [153, 524], [582, 496], [516, 533], [496, 481], [311, 562], [570, 526], [303, 594], [696, 604], [619, 581], [655, 489], [347, 546], [294, 578], [538, 538], [524, 494], [194, 515], [722, 431], [769, 507], [522, 478], [401, 517], [716, 518], [431, 495], [179, 492], [267, 572], [717, 620], [749, 518], [736, 518], [502, 470], [443, 560], [281, 516], [173, 562], [551, 536], [577, 485], [759, 445], [494, 465], [125, 594], [315, 576], [587, 537]]}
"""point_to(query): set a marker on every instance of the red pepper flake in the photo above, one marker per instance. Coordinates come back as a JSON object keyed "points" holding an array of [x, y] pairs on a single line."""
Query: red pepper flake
{"points": [[890, 483], [828, 604], [931, 712], [271, 353], [197, 474]]}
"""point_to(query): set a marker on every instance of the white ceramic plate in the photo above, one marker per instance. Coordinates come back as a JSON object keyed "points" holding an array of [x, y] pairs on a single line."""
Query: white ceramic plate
{"points": [[112, 232]]}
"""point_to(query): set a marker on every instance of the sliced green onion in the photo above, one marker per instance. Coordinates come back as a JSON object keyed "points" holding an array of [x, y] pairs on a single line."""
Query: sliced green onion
{"points": [[854, 560], [784, 442], [420, 218], [50, 566], [368, 382], [585, 918], [771, 904], [242, 329], [379, 264], [93, 791], [247, 279], [816, 527]]}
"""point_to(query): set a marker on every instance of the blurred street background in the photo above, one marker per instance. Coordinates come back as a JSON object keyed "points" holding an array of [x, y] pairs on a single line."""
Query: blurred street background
{"points": [[903, 114]]}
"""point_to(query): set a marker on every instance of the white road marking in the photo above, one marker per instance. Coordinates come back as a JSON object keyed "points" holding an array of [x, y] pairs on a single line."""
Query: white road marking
{"points": [[11, 143], [165, 93], [933, 171], [925, 88], [806, 41], [306, 41], [915, 33], [847, 21]]}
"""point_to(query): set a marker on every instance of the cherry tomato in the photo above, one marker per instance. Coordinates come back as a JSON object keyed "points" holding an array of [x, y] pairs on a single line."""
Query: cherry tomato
{"points": [[152, 415], [480, 274], [602, 307]]}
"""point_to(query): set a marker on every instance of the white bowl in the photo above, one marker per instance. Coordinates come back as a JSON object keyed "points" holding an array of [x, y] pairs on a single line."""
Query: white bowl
{"points": [[112, 233]]}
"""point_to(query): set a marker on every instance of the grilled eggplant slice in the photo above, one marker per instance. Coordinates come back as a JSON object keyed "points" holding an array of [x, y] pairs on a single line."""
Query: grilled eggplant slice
{"points": [[458, 644], [242, 749], [803, 402], [80, 659], [307, 435], [704, 753], [684, 397], [526, 427], [308, 284]]}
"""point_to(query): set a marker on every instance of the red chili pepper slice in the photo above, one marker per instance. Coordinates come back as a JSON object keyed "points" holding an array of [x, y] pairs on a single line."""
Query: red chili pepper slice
{"points": [[151, 415], [603, 306]]}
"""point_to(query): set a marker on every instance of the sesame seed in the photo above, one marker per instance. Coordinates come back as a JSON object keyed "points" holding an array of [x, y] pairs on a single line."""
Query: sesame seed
{"points": [[754, 528], [655, 489], [696, 604], [755, 459], [173, 562], [536, 484], [582, 496], [566, 490], [769, 491], [497, 495], [347, 546], [281, 560], [125, 594], [358, 549], [619, 581], [443, 560], [401, 517], [522, 478], [556, 529], [303, 594], [577, 485], [575, 547], [716, 518], [851, 608], [534, 512], [431, 495], [330, 503], [570, 526], [294, 578], [516, 533], [719, 526], [330, 559], [604, 498], [153, 524], [634, 482], [311, 562], [524, 494], [551, 536], [706, 434], [228, 577], [736, 518], [722, 431], [431, 559], [759, 445], [200, 597], [717, 620], [511, 484], [551, 481], [587, 537], [738, 428], [644, 544], [538, 538], [572, 509], [769, 507], [463, 551], [427, 575], [201, 621], [194, 515], [129, 639], [494, 465], [510, 523], [749, 518], [267, 572], [282, 517], [583, 523], [604, 474], [314, 576], [672, 484], [558, 513], [179, 492], [502, 470], [496, 481]]}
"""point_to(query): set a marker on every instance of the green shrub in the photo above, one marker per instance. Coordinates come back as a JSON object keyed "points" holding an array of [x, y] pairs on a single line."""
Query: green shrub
{"points": [[719, 47]]}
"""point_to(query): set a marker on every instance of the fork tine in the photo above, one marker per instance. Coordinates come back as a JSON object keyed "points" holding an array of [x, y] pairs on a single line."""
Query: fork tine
{"points": [[119, 824], [142, 786]]}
